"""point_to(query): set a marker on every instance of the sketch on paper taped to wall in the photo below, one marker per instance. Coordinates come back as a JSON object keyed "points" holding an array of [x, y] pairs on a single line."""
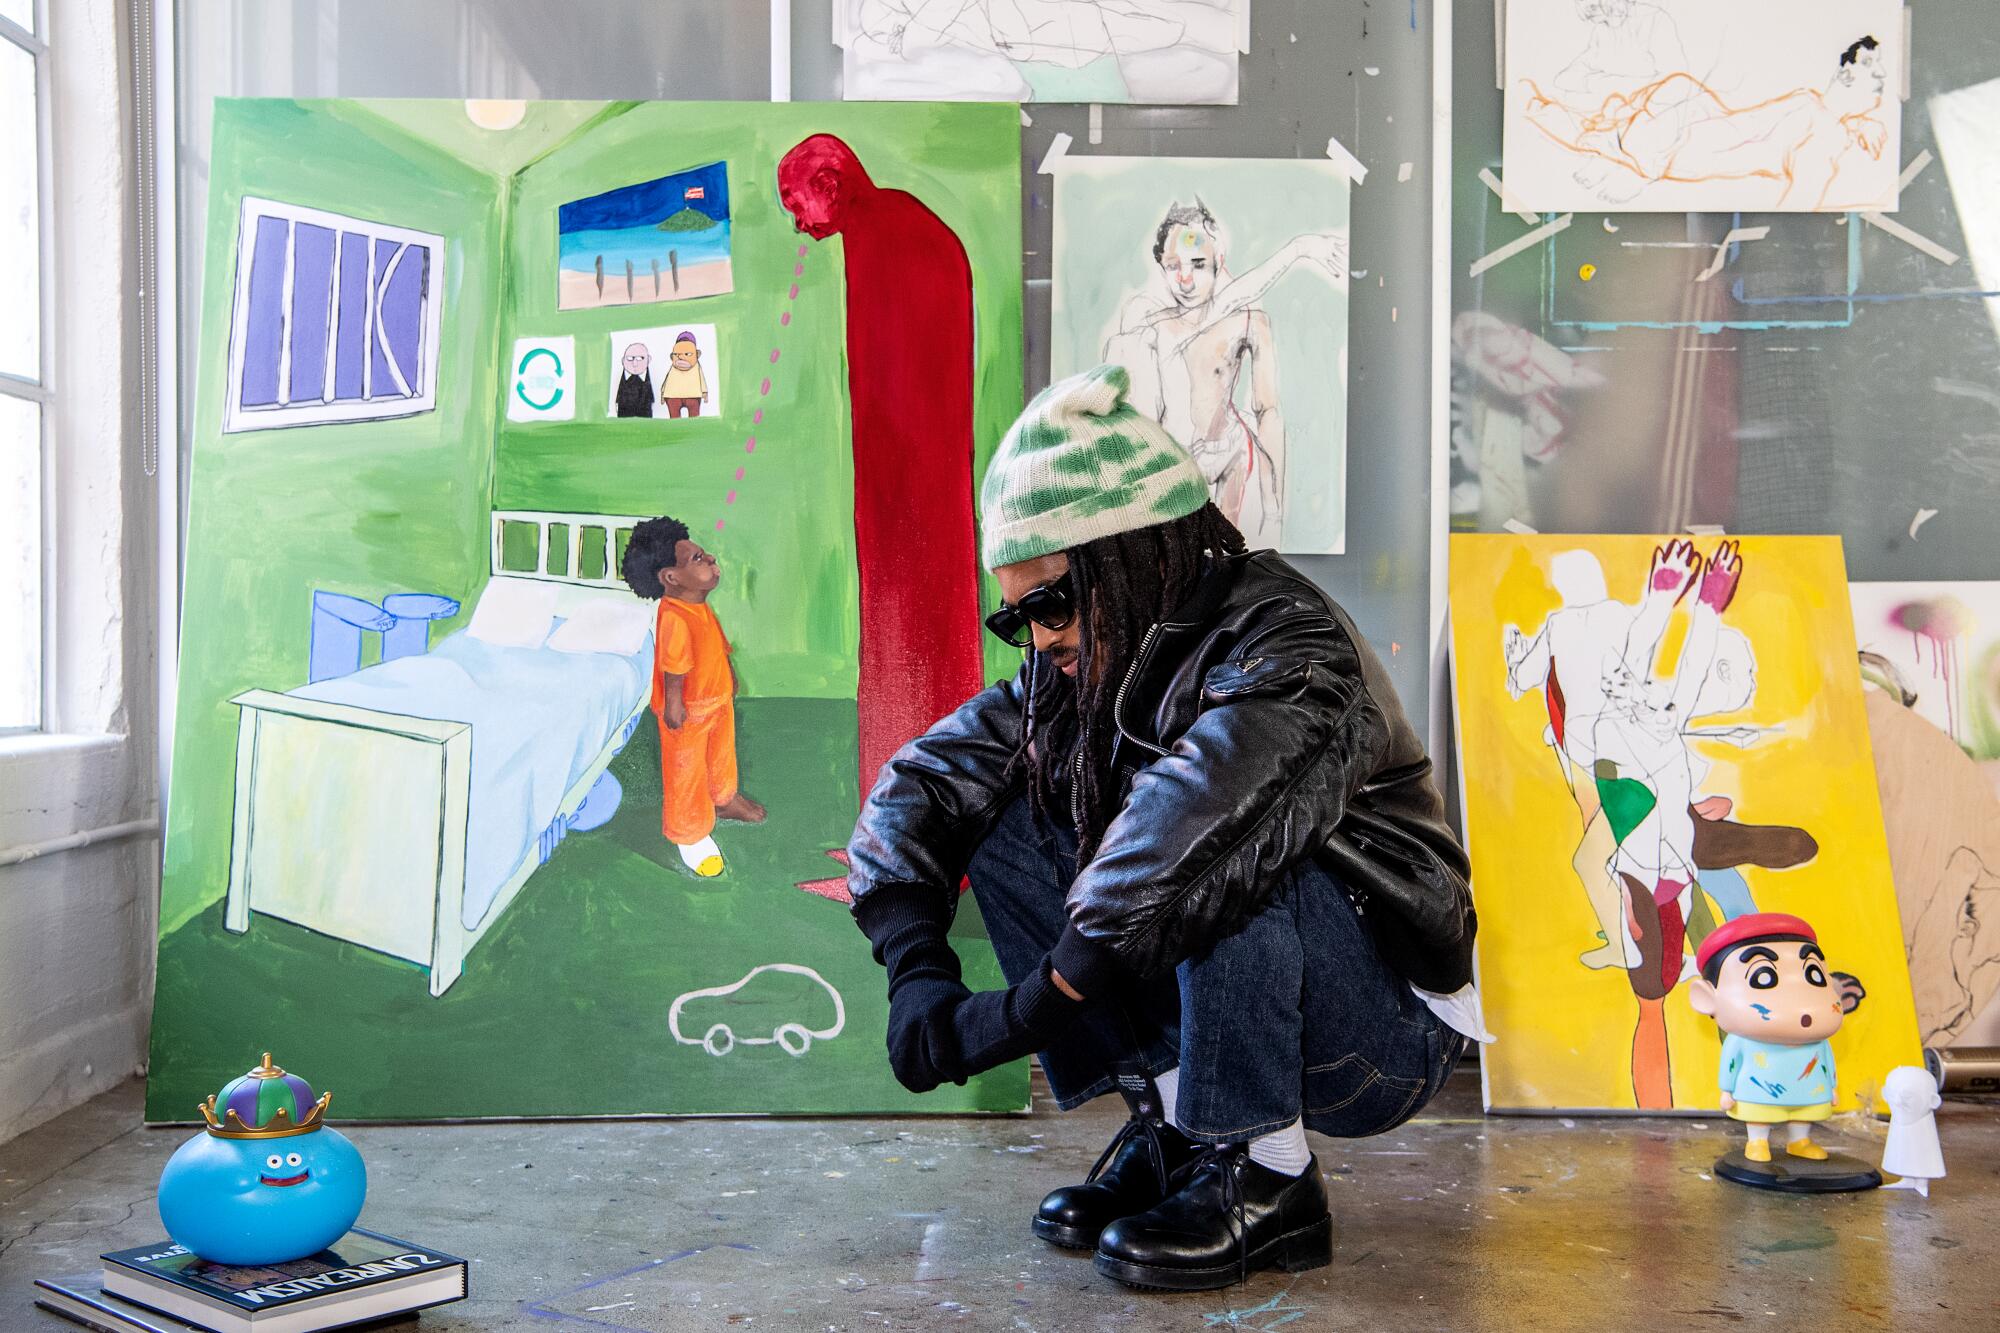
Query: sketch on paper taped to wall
{"points": [[753, 1012], [1227, 304], [1657, 755], [1164, 52], [1703, 105], [660, 240], [671, 373], [1931, 653]]}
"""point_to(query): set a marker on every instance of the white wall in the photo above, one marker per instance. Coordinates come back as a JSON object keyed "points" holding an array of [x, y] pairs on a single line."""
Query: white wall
{"points": [[76, 927]]}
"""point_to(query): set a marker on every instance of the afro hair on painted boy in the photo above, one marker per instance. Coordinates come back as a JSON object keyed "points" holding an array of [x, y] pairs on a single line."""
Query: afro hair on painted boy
{"points": [[651, 550]]}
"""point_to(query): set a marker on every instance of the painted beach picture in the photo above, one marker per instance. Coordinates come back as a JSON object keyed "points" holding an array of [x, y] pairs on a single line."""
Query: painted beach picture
{"points": [[659, 240]]}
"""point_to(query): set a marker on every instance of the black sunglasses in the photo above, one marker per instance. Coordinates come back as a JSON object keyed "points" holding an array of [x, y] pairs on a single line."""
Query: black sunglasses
{"points": [[1052, 606]]}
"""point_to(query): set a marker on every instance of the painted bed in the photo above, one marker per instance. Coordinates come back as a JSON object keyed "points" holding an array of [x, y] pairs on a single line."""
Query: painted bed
{"points": [[404, 807]]}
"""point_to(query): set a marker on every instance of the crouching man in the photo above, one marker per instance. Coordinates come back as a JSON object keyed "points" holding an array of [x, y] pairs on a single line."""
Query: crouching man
{"points": [[1205, 842]]}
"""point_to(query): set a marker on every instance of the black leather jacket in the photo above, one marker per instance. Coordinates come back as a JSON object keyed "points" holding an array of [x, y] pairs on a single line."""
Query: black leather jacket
{"points": [[1256, 728]]}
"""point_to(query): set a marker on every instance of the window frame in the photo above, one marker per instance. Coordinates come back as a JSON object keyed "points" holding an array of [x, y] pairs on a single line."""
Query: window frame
{"points": [[40, 391], [320, 412]]}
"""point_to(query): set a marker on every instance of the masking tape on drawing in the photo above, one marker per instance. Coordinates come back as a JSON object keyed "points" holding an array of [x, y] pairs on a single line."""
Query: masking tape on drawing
{"points": [[1338, 152], [1058, 147]]}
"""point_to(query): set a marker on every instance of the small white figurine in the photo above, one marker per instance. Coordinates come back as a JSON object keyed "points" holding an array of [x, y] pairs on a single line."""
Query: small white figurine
{"points": [[1912, 1151]]}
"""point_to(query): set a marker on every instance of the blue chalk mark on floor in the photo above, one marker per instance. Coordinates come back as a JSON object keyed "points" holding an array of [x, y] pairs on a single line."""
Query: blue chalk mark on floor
{"points": [[539, 1308], [1260, 1317]]}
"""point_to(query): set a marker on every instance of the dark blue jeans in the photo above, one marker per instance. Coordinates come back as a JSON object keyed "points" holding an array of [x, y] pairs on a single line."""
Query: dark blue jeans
{"points": [[1293, 1016]]}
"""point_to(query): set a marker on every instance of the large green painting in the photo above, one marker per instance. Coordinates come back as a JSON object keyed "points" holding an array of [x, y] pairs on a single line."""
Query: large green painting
{"points": [[415, 841]]}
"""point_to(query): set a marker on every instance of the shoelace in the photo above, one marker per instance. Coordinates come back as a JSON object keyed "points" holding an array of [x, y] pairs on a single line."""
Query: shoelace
{"points": [[1228, 1158], [1156, 1151]]}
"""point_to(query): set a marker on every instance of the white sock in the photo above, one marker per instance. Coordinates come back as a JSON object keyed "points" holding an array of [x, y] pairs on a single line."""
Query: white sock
{"points": [[704, 857], [1283, 1150], [1169, 1085]]}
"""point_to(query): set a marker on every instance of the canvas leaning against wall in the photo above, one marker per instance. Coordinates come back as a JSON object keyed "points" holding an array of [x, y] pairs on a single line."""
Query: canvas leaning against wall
{"points": [[1660, 734], [1930, 653], [433, 818], [1221, 286]]}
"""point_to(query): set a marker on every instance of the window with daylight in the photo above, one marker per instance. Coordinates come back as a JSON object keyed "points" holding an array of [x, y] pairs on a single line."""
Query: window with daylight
{"points": [[25, 401], [336, 319]]}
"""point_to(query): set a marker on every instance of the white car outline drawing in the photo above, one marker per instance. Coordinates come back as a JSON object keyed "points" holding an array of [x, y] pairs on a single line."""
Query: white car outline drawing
{"points": [[795, 1038]]}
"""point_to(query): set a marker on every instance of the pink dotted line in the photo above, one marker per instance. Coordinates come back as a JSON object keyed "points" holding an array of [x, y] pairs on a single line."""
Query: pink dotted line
{"points": [[764, 388]]}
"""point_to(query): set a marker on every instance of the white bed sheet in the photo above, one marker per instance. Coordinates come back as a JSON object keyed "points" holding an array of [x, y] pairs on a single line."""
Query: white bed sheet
{"points": [[539, 718]]}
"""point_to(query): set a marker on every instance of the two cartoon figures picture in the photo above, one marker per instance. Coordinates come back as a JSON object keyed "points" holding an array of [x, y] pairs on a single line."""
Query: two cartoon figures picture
{"points": [[683, 388]]}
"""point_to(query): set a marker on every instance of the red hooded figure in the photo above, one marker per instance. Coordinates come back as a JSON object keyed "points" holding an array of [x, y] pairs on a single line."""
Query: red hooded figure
{"points": [[909, 375]]}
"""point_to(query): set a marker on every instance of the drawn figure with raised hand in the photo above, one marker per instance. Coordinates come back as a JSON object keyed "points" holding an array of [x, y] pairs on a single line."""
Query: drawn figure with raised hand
{"points": [[1676, 128], [635, 382], [684, 388], [694, 689], [1188, 348], [1567, 660]]}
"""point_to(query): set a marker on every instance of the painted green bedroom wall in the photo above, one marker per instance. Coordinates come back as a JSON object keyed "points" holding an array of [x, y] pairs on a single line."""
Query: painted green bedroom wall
{"points": [[402, 505], [789, 595], [368, 508]]}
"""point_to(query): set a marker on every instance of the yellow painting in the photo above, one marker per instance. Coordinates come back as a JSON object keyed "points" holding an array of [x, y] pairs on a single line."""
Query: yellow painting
{"points": [[1657, 735]]}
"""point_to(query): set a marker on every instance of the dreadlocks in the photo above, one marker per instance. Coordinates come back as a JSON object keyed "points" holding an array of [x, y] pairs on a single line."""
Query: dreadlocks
{"points": [[1124, 585]]}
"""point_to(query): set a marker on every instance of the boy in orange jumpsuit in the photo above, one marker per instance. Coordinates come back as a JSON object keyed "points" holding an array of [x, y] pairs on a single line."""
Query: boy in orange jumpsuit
{"points": [[694, 691]]}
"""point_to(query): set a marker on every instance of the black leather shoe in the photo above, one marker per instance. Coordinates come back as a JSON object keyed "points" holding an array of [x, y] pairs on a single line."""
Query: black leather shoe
{"points": [[1139, 1168], [1229, 1219]]}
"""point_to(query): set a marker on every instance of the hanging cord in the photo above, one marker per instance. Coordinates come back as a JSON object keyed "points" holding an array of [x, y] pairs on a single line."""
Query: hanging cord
{"points": [[146, 196]]}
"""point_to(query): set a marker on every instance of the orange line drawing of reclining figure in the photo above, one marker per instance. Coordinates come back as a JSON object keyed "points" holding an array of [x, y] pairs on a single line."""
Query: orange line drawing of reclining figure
{"points": [[1676, 129]]}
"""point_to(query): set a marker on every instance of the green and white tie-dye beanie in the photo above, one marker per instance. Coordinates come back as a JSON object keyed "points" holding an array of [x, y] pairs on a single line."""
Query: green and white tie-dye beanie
{"points": [[1080, 463]]}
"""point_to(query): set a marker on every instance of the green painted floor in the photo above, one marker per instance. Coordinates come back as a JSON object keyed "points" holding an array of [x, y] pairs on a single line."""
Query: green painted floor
{"points": [[563, 1006]]}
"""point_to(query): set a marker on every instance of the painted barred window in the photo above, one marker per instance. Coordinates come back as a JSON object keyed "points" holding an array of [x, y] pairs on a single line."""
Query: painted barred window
{"points": [[335, 319]]}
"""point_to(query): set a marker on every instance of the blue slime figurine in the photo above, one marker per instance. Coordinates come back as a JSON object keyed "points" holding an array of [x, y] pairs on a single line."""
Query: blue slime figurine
{"points": [[268, 1182]]}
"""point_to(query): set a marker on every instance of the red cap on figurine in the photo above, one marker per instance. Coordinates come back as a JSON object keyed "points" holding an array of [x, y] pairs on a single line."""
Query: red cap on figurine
{"points": [[1758, 925]]}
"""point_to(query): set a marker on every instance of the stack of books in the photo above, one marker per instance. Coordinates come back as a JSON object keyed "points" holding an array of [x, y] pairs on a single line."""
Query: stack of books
{"points": [[362, 1278]]}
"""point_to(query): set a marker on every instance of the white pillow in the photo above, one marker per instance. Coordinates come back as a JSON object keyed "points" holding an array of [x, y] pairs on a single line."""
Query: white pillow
{"points": [[514, 613], [605, 625]]}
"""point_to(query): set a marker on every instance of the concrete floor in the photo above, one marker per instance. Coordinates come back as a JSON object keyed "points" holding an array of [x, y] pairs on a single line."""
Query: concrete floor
{"points": [[1454, 1222]]}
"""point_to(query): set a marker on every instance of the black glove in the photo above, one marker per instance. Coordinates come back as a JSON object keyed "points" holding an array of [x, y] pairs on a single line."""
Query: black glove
{"points": [[907, 924], [939, 1031], [997, 1026], [922, 1050]]}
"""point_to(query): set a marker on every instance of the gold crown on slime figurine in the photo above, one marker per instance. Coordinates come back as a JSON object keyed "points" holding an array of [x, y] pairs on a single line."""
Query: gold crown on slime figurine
{"points": [[252, 1092]]}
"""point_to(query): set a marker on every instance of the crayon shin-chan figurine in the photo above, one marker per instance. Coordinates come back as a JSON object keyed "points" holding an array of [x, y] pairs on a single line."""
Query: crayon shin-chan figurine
{"points": [[1765, 983]]}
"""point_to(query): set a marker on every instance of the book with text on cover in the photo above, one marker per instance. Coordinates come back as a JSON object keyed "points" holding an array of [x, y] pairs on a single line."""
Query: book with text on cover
{"points": [[361, 1277]]}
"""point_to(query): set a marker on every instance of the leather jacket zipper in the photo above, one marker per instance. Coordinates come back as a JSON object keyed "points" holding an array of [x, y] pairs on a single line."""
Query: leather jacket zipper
{"points": [[1076, 787], [1118, 702]]}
